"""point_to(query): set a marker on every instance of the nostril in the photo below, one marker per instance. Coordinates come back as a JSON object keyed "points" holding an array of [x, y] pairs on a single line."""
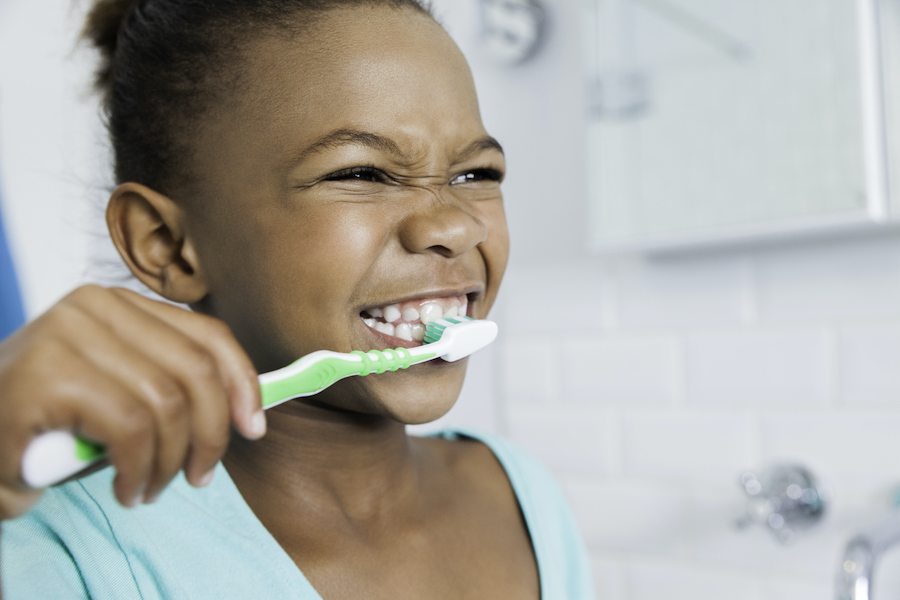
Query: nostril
{"points": [[445, 229], [442, 250]]}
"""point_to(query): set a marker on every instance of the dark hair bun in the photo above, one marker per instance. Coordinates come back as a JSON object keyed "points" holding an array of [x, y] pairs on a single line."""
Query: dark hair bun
{"points": [[102, 30], [164, 63]]}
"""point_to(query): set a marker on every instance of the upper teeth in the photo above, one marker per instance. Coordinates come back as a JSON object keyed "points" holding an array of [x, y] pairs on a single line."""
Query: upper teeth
{"points": [[391, 313], [431, 312], [407, 320]]}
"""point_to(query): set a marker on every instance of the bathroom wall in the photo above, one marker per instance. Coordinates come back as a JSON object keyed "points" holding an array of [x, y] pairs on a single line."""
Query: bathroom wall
{"points": [[52, 153], [647, 384], [650, 384]]}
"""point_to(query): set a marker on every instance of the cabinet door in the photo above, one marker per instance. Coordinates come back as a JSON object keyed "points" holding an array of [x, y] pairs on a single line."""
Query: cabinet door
{"points": [[722, 120]]}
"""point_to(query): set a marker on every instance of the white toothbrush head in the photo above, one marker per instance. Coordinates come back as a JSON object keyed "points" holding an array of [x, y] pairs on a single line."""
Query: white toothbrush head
{"points": [[458, 337]]}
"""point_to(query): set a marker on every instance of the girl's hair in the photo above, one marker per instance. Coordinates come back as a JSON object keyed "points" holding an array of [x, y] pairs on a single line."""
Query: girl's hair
{"points": [[165, 62]]}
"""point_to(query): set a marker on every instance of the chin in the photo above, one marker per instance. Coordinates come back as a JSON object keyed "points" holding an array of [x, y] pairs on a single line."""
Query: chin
{"points": [[417, 413], [420, 399]]}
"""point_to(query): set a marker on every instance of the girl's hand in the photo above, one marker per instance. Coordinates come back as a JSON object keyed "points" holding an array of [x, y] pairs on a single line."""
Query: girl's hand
{"points": [[158, 385]]}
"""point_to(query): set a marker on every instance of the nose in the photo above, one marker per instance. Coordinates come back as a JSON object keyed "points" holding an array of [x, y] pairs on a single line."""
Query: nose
{"points": [[443, 225]]}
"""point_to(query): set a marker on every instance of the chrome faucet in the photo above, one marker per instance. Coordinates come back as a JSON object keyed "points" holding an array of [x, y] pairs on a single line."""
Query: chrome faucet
{"points": [[784, 498], [861, 557]]}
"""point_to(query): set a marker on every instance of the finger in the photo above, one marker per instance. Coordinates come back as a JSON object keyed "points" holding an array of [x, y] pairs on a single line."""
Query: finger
{"points": [[98, 407], [238, 373], [188, 398], [158, 386]]}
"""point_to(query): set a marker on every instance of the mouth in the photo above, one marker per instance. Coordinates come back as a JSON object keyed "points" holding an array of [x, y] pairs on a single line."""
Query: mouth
{"points": [[407, 320]]}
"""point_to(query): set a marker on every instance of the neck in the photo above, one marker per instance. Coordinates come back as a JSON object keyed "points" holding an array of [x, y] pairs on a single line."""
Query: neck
{"points": [[332, 460]]}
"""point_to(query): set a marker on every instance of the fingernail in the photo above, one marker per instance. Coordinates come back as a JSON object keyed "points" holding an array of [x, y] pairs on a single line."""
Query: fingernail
{"points": [[152, 499], [258, 424], [137, 499], [206, 479]]}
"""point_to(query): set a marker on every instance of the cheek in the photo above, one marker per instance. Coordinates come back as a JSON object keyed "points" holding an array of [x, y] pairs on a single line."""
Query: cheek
{"points": [[318, 263], [495, 250], [283, 279]]}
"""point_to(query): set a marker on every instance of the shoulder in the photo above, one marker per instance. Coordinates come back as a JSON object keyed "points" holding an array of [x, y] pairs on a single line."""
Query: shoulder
{"points": [[557, 543], [490, 454]]}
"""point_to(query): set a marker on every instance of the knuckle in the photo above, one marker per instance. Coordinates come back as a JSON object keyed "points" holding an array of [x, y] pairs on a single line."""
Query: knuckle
{"points": [[212, 443], [200, 365], [135, 425], [217, 328], [62, 315], [84, 294], [172, 410], [163, 389], [167, 397]]}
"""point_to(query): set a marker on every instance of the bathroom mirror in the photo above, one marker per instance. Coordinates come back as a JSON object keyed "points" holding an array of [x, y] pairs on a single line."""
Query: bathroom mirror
{"points": [[714, 121]]}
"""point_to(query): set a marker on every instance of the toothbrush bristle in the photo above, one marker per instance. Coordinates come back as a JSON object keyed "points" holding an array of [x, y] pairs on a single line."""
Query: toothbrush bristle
{"points": [[435, 330]]}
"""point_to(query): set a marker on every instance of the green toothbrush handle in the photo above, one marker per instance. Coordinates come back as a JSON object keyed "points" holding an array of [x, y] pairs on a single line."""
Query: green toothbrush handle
{"points": [[319, 370], [57, 455]]}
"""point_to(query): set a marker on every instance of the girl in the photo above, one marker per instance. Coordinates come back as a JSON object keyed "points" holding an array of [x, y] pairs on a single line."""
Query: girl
{"points": [[289, 169]]}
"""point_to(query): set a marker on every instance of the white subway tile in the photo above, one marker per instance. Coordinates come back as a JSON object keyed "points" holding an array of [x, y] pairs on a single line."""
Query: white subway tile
{"points": [[657, 580], [629, 371], [609, 578], [779, 368], [671, 580], [857, 454], [697, 527], [572, 298], [530, 370], [682, 291], [886, 578], [870, 365], [617, 516], [802, 590], [847, 278], [565, 440], [711, 448], [712, 539]]}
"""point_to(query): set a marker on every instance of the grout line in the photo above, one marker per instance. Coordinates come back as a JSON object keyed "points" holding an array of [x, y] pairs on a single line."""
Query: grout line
{"points": [[754, 440], [833, 367], [555, 374], [609, 309], [749, 292], [680, 395], [615, 451]]}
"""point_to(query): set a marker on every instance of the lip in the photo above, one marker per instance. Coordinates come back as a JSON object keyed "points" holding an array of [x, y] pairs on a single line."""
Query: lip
{"points": [[473, 293]]}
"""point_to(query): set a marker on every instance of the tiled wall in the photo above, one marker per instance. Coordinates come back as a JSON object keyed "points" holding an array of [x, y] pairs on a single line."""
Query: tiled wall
{"points": [[649, 387], [650, 384]]}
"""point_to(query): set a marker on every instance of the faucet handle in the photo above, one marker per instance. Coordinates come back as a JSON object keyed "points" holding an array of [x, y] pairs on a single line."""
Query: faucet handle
{"points": [[783, 498]]}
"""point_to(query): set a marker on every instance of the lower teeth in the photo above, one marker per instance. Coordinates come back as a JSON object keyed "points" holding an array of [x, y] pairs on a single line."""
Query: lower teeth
{"points": [[403, 331]]}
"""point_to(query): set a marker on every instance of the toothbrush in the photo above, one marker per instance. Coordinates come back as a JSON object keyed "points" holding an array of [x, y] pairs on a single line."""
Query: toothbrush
{"points": [[57, 455]]}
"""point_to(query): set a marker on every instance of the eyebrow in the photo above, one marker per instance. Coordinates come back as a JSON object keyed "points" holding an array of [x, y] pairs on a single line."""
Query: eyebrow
{"points": [[480, 145], [348, 137]]}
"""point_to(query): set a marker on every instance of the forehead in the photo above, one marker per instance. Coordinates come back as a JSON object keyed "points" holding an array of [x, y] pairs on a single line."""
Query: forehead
{"points": [[389, 71]]}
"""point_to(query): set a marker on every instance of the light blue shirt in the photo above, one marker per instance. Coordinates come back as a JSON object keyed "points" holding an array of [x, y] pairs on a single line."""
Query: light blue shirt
{"points": [[199, 544]]}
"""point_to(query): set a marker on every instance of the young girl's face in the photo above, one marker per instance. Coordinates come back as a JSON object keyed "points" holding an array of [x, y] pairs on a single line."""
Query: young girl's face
{"points": [[350, 172]]}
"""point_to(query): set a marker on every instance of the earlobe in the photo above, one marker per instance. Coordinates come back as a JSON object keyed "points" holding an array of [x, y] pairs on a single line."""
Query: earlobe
{"points": [[148, 230]]}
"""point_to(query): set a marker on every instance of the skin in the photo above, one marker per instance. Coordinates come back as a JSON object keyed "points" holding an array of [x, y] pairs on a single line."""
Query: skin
{"points": [[352, 171]]}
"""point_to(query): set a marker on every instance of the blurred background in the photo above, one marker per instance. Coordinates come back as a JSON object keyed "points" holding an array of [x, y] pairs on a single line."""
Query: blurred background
{"points": [[700, 325]]}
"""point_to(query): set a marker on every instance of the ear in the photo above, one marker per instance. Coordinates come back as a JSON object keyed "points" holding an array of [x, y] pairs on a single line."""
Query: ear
{"points": [[148, 230]]}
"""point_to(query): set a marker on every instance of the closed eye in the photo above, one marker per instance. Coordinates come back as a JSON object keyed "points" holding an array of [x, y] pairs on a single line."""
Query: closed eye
{"points": [[370, 174], [477, 176]]}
